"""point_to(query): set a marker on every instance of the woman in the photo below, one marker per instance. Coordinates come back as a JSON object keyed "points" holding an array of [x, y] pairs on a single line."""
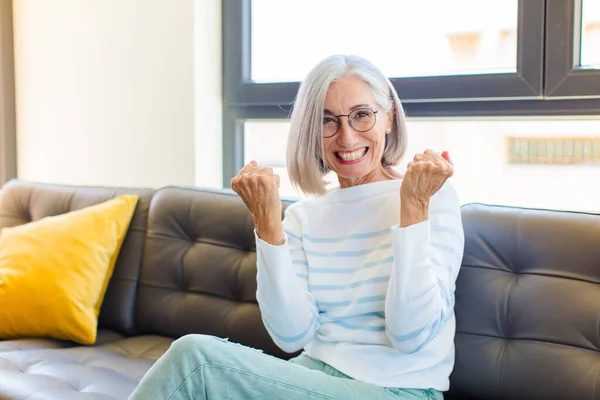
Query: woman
{"points": [[360, 277]]}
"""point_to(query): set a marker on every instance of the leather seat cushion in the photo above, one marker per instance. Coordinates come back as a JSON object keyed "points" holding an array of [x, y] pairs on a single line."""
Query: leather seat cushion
{"points": [[111, 369]]}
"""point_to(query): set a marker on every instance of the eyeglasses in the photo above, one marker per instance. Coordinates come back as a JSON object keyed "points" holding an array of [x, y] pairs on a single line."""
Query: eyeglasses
{"points": [[361, 120]]}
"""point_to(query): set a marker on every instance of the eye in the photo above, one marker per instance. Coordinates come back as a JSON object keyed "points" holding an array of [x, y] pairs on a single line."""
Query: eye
{"points": [[329, 120], [363, 114]]}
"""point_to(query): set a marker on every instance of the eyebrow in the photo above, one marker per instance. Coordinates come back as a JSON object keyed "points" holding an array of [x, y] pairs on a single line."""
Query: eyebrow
{"points": [[354, 107]]}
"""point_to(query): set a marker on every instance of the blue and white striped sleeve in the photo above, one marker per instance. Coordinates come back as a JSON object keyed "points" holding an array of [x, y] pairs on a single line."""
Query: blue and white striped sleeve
{"points": [[427, 259], [288, 308]]}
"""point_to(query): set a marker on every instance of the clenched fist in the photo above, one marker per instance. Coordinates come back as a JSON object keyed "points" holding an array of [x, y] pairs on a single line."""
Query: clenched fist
{"points": [[425, 175], [258, 187]]}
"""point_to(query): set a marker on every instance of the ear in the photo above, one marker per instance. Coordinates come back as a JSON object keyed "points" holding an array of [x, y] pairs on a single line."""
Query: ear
{"points": [[390, 121]]}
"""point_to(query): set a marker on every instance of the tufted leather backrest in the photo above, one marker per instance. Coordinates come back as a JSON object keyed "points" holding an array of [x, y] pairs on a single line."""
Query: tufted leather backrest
{"points": [[199, 269], [22, 202], [528, 305], [527, 296]]}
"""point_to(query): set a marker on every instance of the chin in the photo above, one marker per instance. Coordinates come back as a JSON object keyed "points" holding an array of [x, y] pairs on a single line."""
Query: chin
{"points": [[354, 172]]}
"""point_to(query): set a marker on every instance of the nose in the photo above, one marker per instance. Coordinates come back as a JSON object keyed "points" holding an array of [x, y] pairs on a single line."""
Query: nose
{"points": [[346, 136]]}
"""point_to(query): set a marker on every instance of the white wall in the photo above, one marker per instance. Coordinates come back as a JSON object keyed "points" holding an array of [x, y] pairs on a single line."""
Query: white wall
{"points": [[209, 97], [105, 91], [483, 173]]}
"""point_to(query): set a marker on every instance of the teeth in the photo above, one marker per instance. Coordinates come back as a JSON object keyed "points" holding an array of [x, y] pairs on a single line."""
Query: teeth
{"points": [[355, 155]]}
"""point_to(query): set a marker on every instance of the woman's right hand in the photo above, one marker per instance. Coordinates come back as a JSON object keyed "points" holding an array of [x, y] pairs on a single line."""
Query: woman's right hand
{"points": [[258, 187]]}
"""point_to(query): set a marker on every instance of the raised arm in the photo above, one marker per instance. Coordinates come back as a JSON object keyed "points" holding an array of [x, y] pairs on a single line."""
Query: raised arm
{"points": [[287, 306], [428, 246], [288, 309]]}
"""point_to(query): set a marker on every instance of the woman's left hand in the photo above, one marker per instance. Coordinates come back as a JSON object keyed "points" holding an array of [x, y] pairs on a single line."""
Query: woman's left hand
{"points": [[425, 175]]}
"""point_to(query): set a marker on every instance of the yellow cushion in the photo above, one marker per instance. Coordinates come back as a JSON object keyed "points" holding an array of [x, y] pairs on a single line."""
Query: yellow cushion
{"points": [[54, 272]]}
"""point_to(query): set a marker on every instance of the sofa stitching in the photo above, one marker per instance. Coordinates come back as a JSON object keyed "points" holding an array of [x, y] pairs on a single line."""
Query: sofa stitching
{"points": [[513, 284], [71, 386], [11, 363], [239, 286], [25, 372], [517, 251], [197, 293], [527, 340], [124, 278], [595, 381], [135, 229], [134, 328], [504, 344], [70, 202], [491, 249], [15, 348], [28, 208], [507, 305], [181, 281], [189, 236], [530, 273], [12, 215], [167, 236], [63, 380], [22, 221], [60, 380]]}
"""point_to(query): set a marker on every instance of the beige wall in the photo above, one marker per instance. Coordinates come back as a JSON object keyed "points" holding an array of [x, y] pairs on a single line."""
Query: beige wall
{"points": [[209, 99], [105, 91]]}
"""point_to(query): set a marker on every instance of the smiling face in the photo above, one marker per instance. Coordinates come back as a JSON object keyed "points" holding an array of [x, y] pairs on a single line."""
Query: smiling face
{"points": [[354, 156]]}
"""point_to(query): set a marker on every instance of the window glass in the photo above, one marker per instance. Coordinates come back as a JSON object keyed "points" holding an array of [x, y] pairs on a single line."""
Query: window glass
{"points": [[402, 37], [590, 34]]}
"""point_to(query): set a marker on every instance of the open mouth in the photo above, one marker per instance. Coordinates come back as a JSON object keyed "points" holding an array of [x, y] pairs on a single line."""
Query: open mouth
{"points": [[350, 156]]}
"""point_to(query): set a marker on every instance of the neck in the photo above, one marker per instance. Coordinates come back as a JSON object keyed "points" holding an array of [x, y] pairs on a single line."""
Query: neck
{"points": [[377, 175]]}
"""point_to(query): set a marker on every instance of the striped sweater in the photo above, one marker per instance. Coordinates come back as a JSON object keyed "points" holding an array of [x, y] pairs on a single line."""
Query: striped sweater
{"points": [[356, 291]]}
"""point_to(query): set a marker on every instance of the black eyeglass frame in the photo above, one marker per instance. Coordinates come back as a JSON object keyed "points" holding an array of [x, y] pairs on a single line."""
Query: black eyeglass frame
{"points": [[350, 121]]}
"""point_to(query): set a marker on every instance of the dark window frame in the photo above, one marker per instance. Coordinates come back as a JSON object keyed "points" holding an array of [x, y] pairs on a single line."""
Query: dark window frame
{"points": [[8, 146], [544, 65], [563, 76], [526, 82]]}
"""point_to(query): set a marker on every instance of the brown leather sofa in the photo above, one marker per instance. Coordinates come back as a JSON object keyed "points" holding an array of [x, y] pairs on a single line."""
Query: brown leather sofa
{"points": [[527, 297]]}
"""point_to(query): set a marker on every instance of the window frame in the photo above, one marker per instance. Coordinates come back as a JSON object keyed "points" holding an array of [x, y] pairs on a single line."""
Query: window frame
{"points": [[526, 82], [563, 78]]}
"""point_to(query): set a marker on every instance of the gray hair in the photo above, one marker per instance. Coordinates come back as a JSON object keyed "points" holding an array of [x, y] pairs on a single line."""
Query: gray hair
{"points": [[306, 163]]}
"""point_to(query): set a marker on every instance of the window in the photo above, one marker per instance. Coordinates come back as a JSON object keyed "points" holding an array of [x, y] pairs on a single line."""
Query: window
{"points": [[446, 46], [590, 34], [491, 49], [488, 168], [494, 82]]}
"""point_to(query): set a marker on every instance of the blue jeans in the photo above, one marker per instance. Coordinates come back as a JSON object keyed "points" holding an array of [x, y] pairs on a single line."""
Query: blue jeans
{"points": [[207, 367]]}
